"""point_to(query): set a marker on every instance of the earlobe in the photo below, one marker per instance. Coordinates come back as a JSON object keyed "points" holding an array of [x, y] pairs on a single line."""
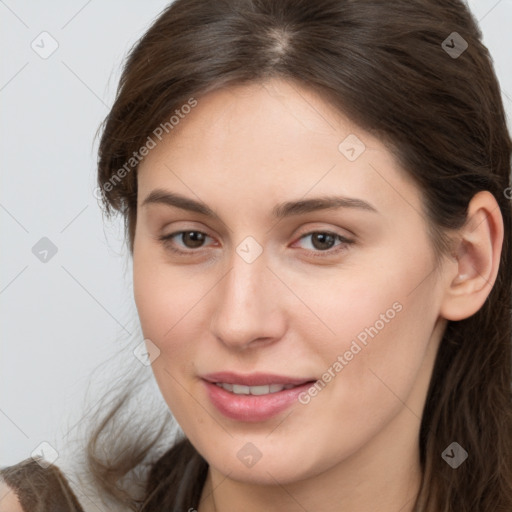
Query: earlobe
{"points": [[477, 256]]}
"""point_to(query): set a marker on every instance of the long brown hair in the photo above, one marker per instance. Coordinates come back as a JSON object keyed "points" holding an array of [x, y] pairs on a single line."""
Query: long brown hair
{"points": [[397, 70]]}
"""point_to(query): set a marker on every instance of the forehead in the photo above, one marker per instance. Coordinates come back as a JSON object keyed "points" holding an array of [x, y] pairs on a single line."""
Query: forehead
{"points": [[274, 138]]}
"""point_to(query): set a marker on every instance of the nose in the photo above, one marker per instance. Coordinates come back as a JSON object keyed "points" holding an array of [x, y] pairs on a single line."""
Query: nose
{"points": [[248, 311]]}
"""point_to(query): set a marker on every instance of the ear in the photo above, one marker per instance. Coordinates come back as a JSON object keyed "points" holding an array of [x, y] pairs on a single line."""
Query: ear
{"points": [[477, 257]]}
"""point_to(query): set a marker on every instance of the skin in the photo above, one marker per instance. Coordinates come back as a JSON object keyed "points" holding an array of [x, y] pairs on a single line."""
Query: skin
{"points": [[8, 500], [296, 308]]}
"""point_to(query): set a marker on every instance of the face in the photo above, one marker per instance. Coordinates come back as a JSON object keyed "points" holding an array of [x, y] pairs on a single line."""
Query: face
{"points": [[268, 287]]}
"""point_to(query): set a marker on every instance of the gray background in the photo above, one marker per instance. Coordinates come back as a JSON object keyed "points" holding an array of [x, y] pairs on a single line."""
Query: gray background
{"points": [[62, 318]]}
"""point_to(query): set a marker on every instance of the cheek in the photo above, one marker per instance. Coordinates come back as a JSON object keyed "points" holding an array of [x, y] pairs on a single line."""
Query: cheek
{"points": [[165, 296], [383, 322], [170, 304]]}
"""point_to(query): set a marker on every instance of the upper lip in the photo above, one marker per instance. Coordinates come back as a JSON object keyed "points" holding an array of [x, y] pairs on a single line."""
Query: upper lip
{"points": [[254, 379]]}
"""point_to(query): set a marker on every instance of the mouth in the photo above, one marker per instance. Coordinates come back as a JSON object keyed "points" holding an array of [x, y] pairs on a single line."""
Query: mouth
{"points": [[255, 379], [240, 389], [255, 397]]}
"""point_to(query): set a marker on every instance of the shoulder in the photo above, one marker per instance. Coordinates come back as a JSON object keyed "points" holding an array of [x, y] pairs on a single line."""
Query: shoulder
{"points": [[39, 485]]}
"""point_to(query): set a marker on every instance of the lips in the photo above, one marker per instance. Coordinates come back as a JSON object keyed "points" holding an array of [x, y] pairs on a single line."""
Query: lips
{"points": [[255, 379], [244, 397]]}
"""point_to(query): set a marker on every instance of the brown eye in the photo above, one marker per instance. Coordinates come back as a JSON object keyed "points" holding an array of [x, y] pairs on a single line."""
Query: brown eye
{"points": [[324, 241], [192, 239], [188, 240]]}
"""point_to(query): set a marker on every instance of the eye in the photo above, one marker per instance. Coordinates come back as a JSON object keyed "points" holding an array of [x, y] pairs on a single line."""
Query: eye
{"points": [[323, 242], [190, 239]]}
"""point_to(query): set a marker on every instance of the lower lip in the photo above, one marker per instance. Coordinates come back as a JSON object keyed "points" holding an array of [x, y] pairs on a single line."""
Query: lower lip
{"points": [[253, 408]]}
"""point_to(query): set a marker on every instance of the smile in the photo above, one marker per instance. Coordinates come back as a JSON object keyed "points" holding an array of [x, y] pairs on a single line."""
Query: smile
{"points": [[240, 389]]}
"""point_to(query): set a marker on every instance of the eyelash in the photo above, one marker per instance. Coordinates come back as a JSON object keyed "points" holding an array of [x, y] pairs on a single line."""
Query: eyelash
{"points": [[167, 242]]}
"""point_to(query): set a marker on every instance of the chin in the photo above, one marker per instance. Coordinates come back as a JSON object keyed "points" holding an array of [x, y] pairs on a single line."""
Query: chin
{"points": [[262, 474], [282, 467]]}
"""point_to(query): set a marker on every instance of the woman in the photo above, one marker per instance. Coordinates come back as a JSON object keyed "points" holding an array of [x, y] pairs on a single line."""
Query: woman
{"points": [[234, 124], [315, 199]]}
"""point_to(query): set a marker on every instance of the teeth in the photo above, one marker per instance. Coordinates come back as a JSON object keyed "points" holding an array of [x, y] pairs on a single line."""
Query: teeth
{"points": [[239, 389]]}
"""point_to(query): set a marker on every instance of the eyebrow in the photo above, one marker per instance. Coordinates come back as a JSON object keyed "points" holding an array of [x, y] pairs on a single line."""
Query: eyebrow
{"points": [[280, 211]]}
